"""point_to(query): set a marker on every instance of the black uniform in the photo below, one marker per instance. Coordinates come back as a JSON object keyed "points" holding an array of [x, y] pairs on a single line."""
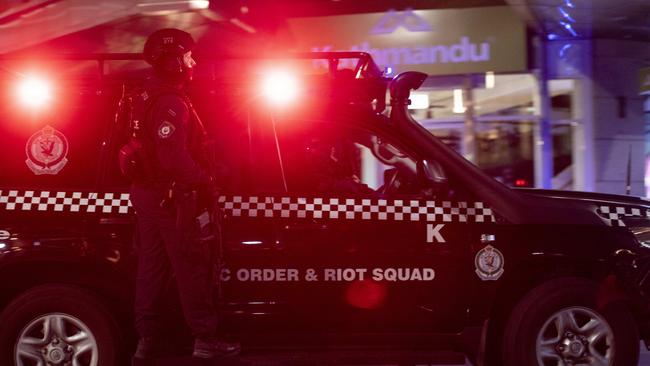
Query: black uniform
{"points": [[172, 140]]}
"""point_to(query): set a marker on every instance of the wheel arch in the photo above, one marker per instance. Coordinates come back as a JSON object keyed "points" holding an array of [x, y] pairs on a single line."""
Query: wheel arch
{"points": [[106, 283], [85, 309], [529, 274]]}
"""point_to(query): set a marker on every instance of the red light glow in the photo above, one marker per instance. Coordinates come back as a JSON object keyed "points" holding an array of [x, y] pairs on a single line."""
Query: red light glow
{"points": [[280, 87], [521, 183], [34, 91], [366, 294]]}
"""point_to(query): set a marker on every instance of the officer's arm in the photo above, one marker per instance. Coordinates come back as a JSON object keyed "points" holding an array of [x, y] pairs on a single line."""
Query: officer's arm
{"points": [[170, 119]]}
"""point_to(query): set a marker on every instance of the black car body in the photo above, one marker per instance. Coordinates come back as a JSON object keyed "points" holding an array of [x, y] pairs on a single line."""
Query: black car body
{"points": [[437, 256]]}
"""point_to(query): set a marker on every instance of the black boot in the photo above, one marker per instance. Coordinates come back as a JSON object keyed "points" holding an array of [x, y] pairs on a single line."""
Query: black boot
{"points": [[145, 352], [207, 348]]}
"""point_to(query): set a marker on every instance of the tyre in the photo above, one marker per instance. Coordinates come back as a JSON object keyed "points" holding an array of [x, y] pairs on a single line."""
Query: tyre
{"points": [[57, 325], [561, 323]]}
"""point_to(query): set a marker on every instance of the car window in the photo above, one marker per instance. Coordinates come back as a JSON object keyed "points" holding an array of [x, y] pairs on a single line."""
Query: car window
{"points": [[332, 159]]}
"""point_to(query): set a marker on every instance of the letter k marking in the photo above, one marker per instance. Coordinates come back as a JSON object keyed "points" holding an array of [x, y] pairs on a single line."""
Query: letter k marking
{"points": [[434, 233]]}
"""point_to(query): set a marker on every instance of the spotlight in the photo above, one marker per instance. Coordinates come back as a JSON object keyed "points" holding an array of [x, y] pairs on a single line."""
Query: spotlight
{"points": [[34, 91]]}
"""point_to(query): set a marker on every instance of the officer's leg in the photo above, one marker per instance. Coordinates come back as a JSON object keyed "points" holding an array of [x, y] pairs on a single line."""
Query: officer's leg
{"points": [[193, 275], [153, 266], [192, 266]]}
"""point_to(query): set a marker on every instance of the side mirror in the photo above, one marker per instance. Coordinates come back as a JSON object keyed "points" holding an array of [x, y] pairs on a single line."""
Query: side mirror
{"points": [[431, 173]]}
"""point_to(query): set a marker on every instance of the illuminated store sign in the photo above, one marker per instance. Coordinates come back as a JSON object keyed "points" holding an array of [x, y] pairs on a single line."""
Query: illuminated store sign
{"points": [[450, 41]]}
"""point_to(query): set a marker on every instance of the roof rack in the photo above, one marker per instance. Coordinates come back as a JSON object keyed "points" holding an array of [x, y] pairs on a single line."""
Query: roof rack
{"points": [[365, 67]]}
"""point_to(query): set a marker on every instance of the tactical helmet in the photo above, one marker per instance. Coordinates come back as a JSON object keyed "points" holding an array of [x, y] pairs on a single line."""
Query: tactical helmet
{"points": [[164, 50], [168, 41]]}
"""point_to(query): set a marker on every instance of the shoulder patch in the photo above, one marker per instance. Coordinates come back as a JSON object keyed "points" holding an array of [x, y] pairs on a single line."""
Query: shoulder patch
{"points": [[166, 129]]}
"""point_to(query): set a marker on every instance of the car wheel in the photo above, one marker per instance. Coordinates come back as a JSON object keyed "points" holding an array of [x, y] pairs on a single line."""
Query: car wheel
{"points": [[562, 322], [57, 325]]}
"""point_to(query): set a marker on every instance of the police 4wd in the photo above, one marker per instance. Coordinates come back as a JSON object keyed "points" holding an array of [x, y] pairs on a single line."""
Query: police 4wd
{"points": [[345, 226]]}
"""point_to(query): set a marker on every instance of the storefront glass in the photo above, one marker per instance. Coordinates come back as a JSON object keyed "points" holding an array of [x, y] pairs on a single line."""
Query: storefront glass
{"points": [[503, 123]]}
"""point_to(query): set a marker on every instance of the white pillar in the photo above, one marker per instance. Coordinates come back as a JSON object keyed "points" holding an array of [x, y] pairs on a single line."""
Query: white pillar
{"points": [[469, 131], [584, 166], [542, 138]]}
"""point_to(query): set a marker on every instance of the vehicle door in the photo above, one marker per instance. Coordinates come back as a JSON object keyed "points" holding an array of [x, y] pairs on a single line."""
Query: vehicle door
{"points": [[255, 275], [379, 247]]}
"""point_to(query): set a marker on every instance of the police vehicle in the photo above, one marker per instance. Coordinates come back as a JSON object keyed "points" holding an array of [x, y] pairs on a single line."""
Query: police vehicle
{"points": [[346, 224]]}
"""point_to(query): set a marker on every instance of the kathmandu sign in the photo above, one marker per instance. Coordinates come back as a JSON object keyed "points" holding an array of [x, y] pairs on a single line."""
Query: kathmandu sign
{"points": [[393, 20], [463, 51], [437, 42]]}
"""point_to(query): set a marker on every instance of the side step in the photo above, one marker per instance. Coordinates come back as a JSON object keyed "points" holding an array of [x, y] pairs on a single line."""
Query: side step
{"points": [[328, 358]]}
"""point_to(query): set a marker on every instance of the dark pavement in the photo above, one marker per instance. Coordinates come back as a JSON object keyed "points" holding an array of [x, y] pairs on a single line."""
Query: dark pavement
{"points": [[334, 358], [338, 358]]}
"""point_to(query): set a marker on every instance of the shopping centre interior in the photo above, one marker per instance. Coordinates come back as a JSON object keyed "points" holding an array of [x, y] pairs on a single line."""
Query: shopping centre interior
{"points": [[544, 93]]}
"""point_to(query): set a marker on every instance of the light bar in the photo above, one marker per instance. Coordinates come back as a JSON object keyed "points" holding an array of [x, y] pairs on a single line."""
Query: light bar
{"points": [[34, 91], [280, 87]]}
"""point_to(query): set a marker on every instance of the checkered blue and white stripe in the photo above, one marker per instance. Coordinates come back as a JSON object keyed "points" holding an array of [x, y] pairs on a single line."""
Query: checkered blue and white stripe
{"points": [[614, 215], [357, 209], [84, 202], [262, 206]]}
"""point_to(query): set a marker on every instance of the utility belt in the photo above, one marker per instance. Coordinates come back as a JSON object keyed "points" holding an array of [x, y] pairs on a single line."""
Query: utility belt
{"points": [[202, 198], [198, 220], [199, 224]]}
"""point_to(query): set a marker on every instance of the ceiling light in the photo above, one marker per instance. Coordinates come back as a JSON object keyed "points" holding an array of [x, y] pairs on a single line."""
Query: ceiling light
{"points": [[458, 101], [419, 101], [490, 80]]}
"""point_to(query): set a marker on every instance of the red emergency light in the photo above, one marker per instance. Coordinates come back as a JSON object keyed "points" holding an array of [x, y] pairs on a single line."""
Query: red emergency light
{"points": [[34, 91], [521, 183], [280, 87]]}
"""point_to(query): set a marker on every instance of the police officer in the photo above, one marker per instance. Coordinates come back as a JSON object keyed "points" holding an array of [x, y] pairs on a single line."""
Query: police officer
{"points": [[165, 202], [332, 166]]}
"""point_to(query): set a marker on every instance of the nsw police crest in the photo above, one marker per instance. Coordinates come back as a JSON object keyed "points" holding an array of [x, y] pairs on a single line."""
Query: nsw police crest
{"points": [[489, 263], [46, 151]]}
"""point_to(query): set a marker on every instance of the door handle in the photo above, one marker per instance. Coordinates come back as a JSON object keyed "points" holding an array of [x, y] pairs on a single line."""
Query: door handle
{"points": [[116, 221]]}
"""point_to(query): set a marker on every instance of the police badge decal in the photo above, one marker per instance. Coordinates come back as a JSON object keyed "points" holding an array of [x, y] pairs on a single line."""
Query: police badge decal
{"points": [[489, 263], [46, 151]]}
